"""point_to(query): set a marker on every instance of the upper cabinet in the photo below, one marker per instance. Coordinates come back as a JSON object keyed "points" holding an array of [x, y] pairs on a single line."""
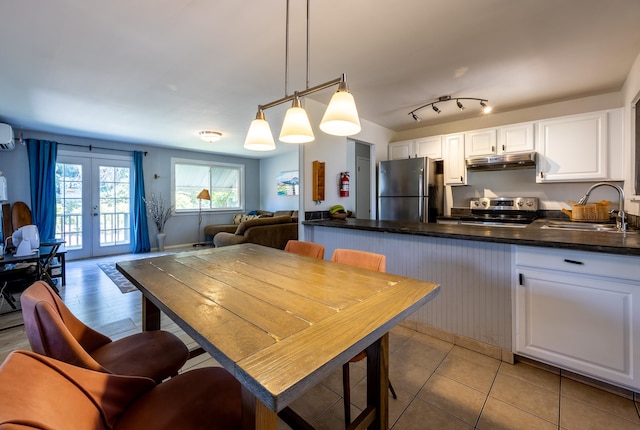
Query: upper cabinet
{"points": [[516, 138], [400, 150], [584, 147], [501, 140], [480, 142], [425, 147], [455, 171]]}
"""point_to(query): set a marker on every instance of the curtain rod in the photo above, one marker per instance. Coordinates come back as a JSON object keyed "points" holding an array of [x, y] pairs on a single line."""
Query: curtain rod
{"points": [[91, 147]]}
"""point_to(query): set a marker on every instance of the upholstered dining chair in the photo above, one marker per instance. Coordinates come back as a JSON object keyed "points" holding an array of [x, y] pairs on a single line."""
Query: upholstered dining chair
{"points": [[366, 260], [54, 331], [309, 249], [39, 392]]}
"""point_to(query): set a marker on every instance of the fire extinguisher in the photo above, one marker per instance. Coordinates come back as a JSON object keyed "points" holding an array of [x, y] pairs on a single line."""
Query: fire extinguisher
{"points": [[344, 184]]}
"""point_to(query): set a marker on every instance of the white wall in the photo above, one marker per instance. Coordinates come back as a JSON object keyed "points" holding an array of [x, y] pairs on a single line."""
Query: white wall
{"points": [[270, 168]]}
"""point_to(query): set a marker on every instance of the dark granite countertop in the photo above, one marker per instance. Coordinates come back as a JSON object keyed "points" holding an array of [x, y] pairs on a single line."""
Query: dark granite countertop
{"points": [[532, 235]]}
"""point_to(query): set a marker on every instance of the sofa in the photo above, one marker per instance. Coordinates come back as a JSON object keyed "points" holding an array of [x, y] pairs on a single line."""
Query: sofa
{"points": [[273, 231], [211, 230]]}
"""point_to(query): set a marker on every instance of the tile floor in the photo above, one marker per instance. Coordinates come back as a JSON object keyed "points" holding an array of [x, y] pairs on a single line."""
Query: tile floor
{"points": [[443, 386]]}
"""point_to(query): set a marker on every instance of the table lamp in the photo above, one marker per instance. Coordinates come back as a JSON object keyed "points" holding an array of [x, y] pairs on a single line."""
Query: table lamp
{"points": [[203, 195]]}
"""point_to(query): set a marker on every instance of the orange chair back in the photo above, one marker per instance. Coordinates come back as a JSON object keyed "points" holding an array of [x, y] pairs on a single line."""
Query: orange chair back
{"points": [[364, 259], [309, 249], [54, 331]]}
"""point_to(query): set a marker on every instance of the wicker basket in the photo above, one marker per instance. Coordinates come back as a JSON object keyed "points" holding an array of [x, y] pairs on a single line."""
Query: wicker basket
{"points": [[591, 212]]}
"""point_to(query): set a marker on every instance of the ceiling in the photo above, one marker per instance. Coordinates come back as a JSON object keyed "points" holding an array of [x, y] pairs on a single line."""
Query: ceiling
{"points": [[156, 72]]}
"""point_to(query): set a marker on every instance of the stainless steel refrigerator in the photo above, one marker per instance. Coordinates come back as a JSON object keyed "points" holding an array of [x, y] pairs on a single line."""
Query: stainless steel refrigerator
{"points": [[410, 190]]}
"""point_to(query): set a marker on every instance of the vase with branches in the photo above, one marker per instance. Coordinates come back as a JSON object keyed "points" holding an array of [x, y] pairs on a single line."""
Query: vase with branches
{"points": [[159, 211]]}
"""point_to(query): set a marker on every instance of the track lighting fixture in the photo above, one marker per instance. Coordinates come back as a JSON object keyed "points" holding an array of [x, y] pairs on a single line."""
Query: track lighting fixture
{"points": [[483, 103], [340, 118]]}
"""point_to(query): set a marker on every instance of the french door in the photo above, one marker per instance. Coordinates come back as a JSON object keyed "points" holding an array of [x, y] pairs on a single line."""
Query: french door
{"points": [[93, 204]]}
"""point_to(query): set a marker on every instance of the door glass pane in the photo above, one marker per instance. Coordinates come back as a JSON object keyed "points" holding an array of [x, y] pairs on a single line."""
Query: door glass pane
{"points": [[69, 204], [115, 205]]}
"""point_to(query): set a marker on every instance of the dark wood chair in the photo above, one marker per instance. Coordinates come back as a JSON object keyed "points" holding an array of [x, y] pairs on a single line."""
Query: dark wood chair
{"points": [[309, 249], [39, 392], [54, 331], [366, 260]]}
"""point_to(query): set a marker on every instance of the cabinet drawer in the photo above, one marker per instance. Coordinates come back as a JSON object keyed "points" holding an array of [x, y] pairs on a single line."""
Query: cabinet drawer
{"points": [[587, 263]]}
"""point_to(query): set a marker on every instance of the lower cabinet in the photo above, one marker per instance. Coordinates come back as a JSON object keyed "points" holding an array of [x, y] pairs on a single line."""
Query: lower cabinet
{"points": [[579, 311]]}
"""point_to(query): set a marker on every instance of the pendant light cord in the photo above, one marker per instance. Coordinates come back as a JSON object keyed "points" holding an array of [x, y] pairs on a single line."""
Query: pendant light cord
{"points": [[286, 53], [308, 43]]}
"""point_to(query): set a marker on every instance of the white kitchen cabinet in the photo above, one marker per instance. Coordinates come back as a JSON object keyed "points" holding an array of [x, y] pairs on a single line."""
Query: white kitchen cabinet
{"points": [[516, 138], [455, 171], [400, 150], [584, 147], [579, 311], [429, 147], [502, 140], [480, 142], [425, 147]]}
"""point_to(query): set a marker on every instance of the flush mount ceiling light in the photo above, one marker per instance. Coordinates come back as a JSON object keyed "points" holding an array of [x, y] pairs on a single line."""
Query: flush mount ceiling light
{"points": [[210, 136], [483, 103], [340, 118]]}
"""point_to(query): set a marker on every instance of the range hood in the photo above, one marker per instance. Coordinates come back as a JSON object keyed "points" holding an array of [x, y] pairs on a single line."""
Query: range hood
{"points": [[523, 160]]}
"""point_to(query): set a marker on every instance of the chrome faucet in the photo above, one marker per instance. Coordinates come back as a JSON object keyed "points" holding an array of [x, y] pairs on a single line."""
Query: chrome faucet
{"points": [[621, 223]]}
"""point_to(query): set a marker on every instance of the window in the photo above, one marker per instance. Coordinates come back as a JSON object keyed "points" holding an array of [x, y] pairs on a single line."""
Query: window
{"points": [[224, 182]]}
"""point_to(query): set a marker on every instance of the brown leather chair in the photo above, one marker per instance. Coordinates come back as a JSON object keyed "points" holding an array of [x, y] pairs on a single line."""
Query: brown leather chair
{"points": [[309, 249], [366, 260], [39, 392], [54, 331]]}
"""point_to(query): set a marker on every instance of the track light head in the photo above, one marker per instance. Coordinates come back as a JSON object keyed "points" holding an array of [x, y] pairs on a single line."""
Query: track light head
{"points": [[415, 117], [435, 108], [460, 106], [485, 107]]}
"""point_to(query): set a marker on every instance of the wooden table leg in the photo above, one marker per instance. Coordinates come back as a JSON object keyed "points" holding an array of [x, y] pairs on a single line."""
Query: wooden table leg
{"points": [[378, 381], [255, 415], [150, 315]]}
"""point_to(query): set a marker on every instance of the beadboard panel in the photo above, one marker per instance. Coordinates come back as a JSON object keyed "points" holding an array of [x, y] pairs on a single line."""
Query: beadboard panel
{"points": [[475, 277]]}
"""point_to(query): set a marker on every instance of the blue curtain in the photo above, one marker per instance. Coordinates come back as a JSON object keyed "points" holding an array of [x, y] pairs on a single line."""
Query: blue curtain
{"points": [[42, 173], [139, 229]]}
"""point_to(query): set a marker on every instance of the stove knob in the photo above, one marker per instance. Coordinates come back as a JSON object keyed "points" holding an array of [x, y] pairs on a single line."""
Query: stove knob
{"points": [[476, 203], [529, 203], [485, 203], [520, 202]]}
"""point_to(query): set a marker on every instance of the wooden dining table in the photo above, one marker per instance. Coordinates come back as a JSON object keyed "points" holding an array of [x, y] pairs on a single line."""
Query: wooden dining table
{"points": [[280, 322]]}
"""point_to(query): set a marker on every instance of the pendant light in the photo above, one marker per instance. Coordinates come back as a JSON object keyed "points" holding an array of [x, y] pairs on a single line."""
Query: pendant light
{"points": [[259, 136], [341, 117], [296, 127]]}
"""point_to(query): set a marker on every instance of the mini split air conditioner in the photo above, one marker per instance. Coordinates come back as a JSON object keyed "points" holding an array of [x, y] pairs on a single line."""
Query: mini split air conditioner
{"points": [[6, 138]]}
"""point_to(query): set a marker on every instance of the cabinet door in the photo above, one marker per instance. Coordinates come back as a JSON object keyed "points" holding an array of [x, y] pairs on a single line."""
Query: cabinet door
{"points": [[573, 148], [455, 172], [400, 150], [516, 138], [480, 142], [429, 147], [581, 323]]}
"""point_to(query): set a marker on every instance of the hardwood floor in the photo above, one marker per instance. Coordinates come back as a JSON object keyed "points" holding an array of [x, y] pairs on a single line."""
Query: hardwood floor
{"points": [[95, 300]]}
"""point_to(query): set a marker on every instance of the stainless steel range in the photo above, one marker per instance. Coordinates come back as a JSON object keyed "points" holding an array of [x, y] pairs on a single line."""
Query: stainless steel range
{"points": [[502, 211]]}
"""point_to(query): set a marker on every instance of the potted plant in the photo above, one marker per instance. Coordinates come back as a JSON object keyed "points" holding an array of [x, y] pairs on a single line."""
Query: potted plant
{"points": [[159, 211]]}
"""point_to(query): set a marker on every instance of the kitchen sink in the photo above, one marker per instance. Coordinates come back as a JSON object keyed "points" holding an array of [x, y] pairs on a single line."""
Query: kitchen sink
{"points": [[580, 226]]}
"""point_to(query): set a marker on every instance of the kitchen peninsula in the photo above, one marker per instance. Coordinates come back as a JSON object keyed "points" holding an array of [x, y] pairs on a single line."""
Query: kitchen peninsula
{"points": [[515, 290]]}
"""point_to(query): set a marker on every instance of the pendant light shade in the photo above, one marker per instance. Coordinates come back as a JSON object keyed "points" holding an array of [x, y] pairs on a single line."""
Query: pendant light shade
{"points": [[296, 127], [341, 117], [259, 136]]}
